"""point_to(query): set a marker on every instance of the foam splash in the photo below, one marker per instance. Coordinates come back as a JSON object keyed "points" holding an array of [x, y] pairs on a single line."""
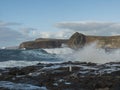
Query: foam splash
{"points": [[13, 63], [60, 51], [90, 53], [93, 54]]}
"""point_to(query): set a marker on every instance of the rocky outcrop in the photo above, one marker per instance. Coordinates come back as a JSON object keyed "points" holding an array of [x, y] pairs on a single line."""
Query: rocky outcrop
{"points": [[56, 76], [43, 43], [78, 40]]}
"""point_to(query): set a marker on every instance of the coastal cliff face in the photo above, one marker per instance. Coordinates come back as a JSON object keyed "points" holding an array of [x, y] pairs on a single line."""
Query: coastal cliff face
{"points": [[43, 43], [78, 40]]}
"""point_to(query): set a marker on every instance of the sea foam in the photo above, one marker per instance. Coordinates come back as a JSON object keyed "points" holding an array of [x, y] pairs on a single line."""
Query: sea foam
{"points": [[14, 63], [89, 53]]}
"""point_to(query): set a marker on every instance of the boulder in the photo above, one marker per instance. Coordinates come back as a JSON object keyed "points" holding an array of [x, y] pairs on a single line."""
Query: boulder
{"points": [[43, 43], [78, 40]]}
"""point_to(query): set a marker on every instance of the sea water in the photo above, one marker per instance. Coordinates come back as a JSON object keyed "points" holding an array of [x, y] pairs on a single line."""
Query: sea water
{"points": [[90, 53], [17, 57]]}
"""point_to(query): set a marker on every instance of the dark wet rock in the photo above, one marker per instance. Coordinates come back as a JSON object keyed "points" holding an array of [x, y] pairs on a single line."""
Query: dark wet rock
{"points": [[116, 73], [3, 88], [84, 76]]}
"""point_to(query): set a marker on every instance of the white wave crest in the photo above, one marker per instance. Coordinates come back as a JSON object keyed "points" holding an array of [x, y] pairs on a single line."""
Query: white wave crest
{"points": [[90, 53], [13, 63], [59, 51]]}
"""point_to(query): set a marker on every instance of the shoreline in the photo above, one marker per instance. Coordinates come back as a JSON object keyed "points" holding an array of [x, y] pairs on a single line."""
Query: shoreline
{"points": [[57, 76]]}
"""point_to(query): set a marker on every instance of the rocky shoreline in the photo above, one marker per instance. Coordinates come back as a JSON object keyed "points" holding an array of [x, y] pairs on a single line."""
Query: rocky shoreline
{"points": [[60, 76]]}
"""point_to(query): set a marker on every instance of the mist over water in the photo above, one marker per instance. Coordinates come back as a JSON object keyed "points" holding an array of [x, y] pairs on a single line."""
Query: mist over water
{"points": [[90, 53]]}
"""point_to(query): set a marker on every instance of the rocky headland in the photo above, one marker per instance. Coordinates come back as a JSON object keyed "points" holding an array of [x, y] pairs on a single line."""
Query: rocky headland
{"points": [[60, 76], [77, 40], [43, 43]]}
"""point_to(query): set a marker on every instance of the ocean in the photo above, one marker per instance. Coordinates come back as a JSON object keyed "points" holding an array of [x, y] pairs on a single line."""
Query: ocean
{"points": [[19, 57]]}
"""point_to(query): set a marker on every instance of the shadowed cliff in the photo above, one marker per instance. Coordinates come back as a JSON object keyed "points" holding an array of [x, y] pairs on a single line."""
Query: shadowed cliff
{"points": [[78, 40]]}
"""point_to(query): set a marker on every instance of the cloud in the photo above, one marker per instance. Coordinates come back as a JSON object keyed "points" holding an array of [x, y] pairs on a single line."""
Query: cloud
{"points": [[9, 37], [5, 24], [64, 34], [8, 32], [36, 33], [93, 28], [29, 32]]}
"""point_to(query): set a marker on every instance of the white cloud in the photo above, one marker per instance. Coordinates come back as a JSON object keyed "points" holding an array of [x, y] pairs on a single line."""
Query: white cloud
{"points": [[93, 28], [9, 36], [64, 34], [35, 33]]}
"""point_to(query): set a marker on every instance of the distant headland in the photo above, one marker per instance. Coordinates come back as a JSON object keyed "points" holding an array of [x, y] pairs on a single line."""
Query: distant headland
{"points": [[77, 40]]}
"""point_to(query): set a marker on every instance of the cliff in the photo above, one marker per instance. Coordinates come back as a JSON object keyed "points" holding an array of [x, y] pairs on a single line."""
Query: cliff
{"points": [[43, 43], [78, 40]]}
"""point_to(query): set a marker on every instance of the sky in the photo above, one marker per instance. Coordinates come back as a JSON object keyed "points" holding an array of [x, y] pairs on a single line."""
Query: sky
{"points": [[23, 20]]}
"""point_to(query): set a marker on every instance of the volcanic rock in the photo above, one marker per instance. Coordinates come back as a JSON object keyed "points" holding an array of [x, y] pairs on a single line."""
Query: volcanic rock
{"points": [[84, 76]]}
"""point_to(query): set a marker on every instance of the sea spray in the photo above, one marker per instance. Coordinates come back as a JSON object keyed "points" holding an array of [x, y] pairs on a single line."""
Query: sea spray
{"points": [[60, 51], [89, 53]]}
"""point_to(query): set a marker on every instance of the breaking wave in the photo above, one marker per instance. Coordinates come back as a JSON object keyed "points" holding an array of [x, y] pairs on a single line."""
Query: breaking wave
{"points": [[27, 55], [90, 53]]}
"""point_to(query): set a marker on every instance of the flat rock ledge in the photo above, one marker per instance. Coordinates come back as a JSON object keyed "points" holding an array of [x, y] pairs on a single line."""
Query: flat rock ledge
{"points": [[66, 76]]}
